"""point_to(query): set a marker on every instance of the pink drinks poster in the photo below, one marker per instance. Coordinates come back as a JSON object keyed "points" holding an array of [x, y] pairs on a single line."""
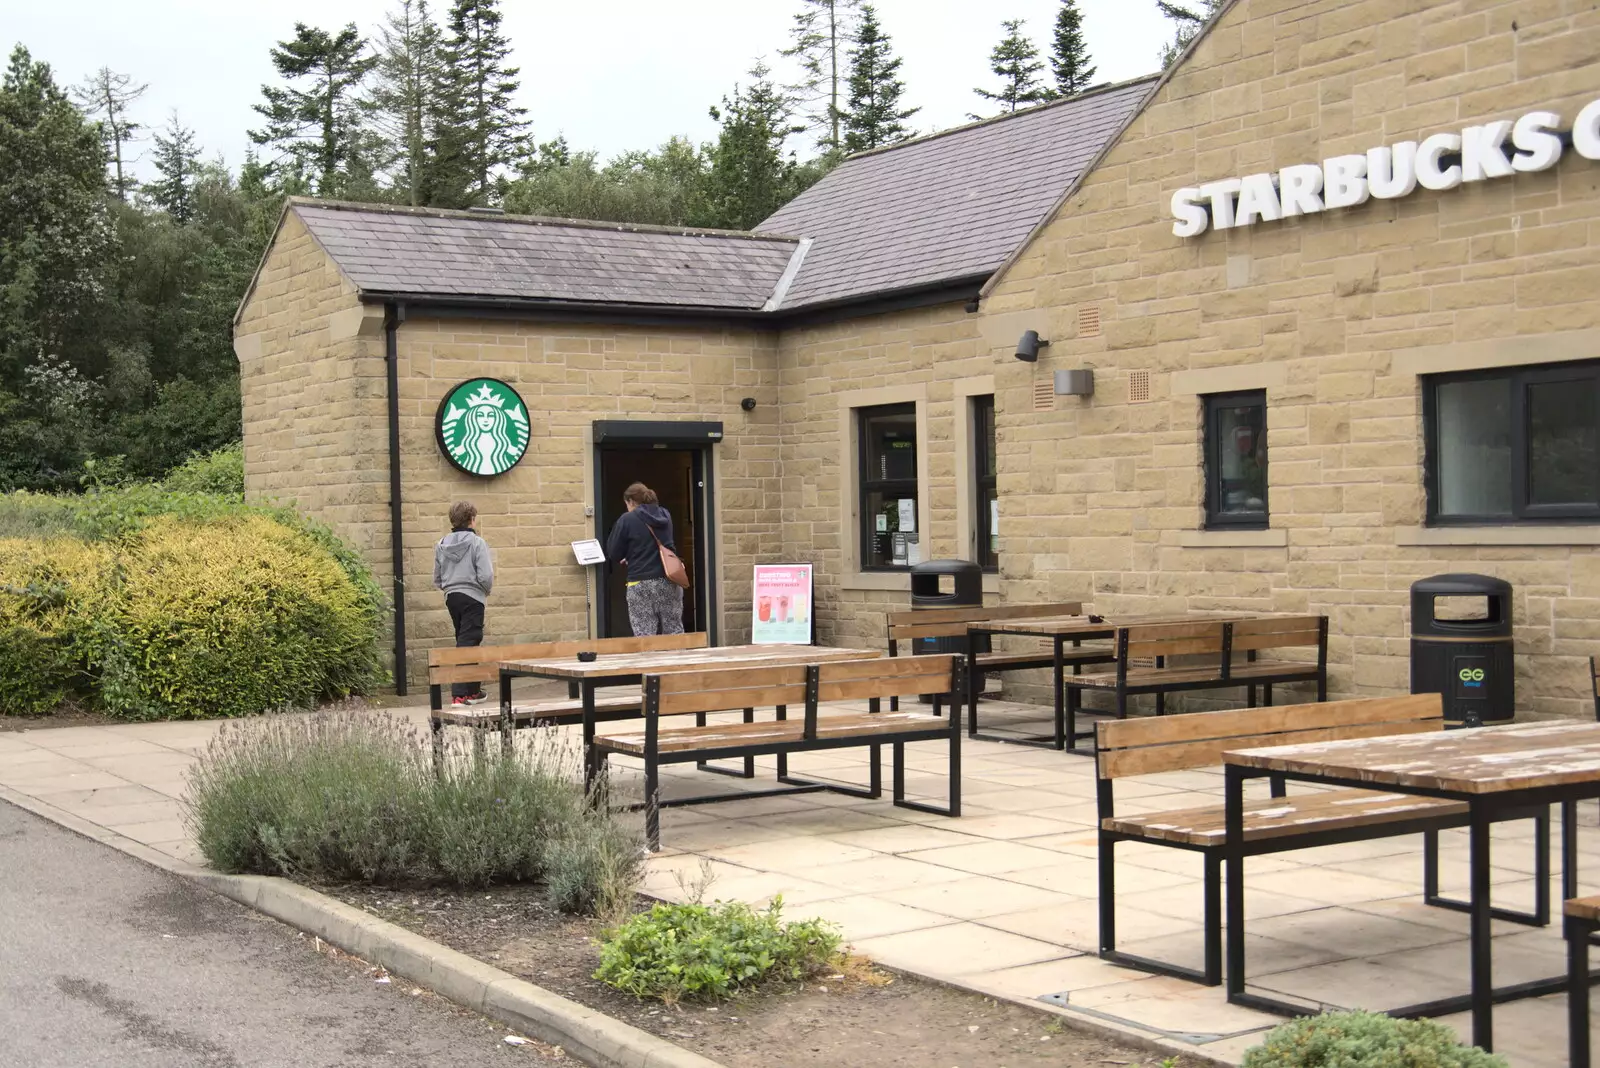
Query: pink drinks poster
{"points": [[783, 606]]}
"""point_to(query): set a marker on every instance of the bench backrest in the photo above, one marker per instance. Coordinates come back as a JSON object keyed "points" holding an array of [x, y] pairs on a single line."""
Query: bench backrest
{"points": [[1278, 632], [952, 622], [1150, 640], [911, 676], [1198, 739], [469, 664], [724, 689]]}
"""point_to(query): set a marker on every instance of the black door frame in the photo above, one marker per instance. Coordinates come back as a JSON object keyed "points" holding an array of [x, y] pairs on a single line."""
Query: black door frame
{"points": [[696, 439]]}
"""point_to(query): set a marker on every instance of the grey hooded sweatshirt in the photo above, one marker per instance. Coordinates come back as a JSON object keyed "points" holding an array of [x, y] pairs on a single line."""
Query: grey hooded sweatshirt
{"points": [[461, 564]]}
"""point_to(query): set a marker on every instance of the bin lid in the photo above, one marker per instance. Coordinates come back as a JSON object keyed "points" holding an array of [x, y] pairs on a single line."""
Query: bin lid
{"points": [[945, 567], [1462, 584]]}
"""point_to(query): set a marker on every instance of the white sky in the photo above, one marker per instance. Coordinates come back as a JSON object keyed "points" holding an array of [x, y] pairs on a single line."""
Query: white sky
{"points": [[609, 74]]}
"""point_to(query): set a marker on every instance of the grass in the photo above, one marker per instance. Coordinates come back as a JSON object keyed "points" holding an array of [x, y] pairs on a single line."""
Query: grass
{"points": [[352, 797]]}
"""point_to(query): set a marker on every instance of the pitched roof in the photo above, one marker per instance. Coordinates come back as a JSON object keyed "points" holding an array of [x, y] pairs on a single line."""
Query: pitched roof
{"points": [[389, 251], [947, 207]]}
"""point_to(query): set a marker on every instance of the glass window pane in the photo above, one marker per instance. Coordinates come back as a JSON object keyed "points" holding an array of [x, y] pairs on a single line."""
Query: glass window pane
{"points": [[991, 524], [1561, 442], [986, 438], [890, 439], [893, 539], [1241, 459], [1474, 445]]}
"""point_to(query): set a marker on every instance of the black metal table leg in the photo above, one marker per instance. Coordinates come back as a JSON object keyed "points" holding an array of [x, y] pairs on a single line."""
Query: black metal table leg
{"points": [[1233, 859], [589, 768], [1569, 850], [505, 712], [1061, 693], [1481, 950]]}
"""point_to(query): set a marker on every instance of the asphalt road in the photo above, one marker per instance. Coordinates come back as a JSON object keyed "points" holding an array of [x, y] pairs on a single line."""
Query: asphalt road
{"points": [[105, 961]]}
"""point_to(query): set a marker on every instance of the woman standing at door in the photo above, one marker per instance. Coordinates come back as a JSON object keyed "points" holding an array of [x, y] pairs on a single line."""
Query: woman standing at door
{"points": [[655, 602]]}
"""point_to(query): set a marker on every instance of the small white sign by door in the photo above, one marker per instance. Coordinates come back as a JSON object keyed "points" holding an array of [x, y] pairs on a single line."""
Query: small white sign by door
{"points": [[589, 552]]}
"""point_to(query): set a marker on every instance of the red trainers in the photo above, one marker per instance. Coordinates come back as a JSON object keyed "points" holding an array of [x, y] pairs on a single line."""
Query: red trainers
{"points": [[461, 702]]}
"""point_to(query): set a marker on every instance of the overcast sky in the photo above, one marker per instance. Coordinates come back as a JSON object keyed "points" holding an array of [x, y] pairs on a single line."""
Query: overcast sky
{"points": [[609, 74]]}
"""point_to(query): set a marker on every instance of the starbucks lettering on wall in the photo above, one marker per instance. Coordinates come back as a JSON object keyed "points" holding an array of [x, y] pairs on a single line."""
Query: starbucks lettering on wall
{"points": [[1439, 162], [482, 427]]}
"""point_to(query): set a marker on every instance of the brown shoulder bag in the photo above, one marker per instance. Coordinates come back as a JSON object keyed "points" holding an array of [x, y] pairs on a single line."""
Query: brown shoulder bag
{"points": [[670, 564]]}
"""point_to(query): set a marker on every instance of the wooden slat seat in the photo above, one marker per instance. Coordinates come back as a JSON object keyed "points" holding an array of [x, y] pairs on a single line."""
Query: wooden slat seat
{"points": [[1584, 908], [554, 710], [1281, 817], [734, 735]]}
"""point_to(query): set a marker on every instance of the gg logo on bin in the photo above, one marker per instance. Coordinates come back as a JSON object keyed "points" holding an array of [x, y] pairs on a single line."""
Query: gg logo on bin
{"points": [[1471, 674]]}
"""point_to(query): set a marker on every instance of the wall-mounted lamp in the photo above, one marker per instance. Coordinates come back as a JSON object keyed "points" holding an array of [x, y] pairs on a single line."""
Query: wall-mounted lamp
{"points": [[1028, 346], [1079, 383]]}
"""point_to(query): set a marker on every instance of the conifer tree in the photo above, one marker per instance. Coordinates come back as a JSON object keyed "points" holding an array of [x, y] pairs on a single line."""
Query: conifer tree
{"points": [[403, 100], [1069, 52], [1016, 61], [314, 121], [1189, 20], [822, 33], [750, 177], [177, 160], [874, 117], [478, 129], [106, 95]]}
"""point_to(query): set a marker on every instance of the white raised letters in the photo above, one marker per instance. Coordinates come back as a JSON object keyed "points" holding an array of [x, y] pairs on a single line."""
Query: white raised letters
{"points": [[1392, 172], [1429, 171], [1191, 215], [1586, 131], [1483, 151], [1344, 181], [1221, 195], [1258, 199], [1537, 148], [1300, 189]]}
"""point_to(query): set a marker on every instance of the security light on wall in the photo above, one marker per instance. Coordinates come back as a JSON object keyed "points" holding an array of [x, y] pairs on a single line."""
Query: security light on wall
{"points": [[1028, 346]]}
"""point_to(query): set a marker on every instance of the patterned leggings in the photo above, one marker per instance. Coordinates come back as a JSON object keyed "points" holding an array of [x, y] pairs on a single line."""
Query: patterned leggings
{"points": [[655, 606]]}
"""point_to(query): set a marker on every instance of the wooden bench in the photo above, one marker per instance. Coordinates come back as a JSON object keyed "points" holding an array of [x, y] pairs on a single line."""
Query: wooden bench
{"points": [[1198, 740], [475, 663], [1215, 654], [953, 622], [1580, 920], [785, 689]]}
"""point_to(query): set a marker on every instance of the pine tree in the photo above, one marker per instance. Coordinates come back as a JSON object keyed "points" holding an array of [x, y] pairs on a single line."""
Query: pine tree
{"points": [[177, 160], [403, 102], [750, 178], [1069, 53], [1189, 22], [822, 33], [317, 128], [1016, 61], [479, 131], [106, 95], [874, 117]]}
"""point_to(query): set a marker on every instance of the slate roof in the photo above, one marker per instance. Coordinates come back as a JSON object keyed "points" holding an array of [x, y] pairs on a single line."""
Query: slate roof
{"points": [[401, 251], [947, 207]]}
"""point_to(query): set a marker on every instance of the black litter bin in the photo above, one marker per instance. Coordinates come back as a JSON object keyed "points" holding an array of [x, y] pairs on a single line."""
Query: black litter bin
{"points": [[1467, 655], [966, 591]]}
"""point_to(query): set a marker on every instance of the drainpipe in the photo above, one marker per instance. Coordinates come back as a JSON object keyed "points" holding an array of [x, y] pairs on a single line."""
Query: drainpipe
{"points": [[393, 315]]}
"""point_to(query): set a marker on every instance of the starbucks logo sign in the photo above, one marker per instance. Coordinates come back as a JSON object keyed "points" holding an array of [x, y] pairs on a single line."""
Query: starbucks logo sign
{"points": [[482, 427]]}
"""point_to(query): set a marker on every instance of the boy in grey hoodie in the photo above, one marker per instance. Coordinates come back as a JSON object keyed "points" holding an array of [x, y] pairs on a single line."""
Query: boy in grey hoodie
{"points": [[463, 570]]}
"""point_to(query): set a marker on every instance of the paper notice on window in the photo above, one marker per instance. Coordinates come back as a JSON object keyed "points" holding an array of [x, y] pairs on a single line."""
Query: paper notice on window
{"points": [[898, 556], [883, 523], [994, 517], [913, 551], [908, 515]]}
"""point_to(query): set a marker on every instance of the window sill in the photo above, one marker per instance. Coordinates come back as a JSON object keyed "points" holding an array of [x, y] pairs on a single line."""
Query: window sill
{"points": [[876, 580], [1233, 539], [1555, 534]]}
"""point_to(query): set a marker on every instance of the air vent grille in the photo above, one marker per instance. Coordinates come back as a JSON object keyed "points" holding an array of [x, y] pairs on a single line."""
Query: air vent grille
{"points": [[1044, 395], [1089, 320], [1138, 385]]}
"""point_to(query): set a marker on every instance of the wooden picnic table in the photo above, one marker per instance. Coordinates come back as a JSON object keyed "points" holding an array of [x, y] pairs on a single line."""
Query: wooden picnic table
{"points": [[621, 669], [1495, 770], [1060, 630]]}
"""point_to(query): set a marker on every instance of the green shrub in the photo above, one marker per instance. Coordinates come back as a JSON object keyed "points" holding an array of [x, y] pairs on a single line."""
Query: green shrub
{"points": [[1365, 1040], [342, 797], [219, 472], [594, 866], [694, 951], [49, 593]]}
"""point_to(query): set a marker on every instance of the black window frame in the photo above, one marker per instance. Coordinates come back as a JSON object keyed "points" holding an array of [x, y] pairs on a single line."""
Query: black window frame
{"points": [[1212, 406], [984, 484], [865, 484], [1517, 379]]}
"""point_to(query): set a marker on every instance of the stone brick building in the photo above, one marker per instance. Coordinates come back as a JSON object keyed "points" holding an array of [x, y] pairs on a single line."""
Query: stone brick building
{"points": [[1334, 274]]}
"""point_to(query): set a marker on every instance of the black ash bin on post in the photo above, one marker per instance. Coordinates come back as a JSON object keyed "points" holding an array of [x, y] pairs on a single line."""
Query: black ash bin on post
{"points": [[966, 592], [1468, 656]]}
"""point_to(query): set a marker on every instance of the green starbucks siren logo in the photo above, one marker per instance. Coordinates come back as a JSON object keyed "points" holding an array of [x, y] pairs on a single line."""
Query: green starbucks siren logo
{"points": [[482, 427]]}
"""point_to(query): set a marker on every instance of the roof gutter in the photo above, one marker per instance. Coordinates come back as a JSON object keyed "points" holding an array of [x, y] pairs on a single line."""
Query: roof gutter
{"points": [[394, 313]]}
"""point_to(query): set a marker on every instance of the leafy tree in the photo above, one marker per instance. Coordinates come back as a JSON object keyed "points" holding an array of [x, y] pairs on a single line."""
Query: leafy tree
{"points": [[404, 101], [821, 34], [665, 187], [479, 131], [874, 118], [314, 121], [1069, 52], [1015, 60], [178, 162], [106, 95], [750, 176], [56, 240], [1188, 22]]}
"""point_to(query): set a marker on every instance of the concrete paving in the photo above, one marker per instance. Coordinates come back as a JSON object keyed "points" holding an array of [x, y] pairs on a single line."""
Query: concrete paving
{"points": [[108, 961], [1002, 900]]}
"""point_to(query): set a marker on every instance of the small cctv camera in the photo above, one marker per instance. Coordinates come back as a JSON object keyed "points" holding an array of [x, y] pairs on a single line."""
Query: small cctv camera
{"points": [[748, 404], [1028, 346]]}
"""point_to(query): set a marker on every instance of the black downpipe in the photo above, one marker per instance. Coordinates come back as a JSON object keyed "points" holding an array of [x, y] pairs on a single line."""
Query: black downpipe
{"points": [[393, 315]]}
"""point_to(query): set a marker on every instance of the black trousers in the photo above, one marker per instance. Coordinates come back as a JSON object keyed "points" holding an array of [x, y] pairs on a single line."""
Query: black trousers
{"points": [[467, 615]]}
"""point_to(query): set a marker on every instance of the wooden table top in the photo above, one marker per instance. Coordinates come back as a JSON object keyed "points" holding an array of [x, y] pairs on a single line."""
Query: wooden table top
{"points": [[1481, 760], [664, 661], [1079, 626]]}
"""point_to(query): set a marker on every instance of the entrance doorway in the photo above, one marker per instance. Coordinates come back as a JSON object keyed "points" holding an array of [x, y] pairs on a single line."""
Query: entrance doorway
{"points": [[680, 475]]}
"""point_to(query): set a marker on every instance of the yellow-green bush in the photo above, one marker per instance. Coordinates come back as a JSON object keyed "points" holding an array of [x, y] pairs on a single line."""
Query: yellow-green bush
{"points": [[50, 592], [238, 615]]}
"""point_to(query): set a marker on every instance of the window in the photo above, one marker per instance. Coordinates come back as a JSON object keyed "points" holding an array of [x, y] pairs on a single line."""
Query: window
{"points": [[987, 497], [888, 442], [1513, 445], [1236, 459]]}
